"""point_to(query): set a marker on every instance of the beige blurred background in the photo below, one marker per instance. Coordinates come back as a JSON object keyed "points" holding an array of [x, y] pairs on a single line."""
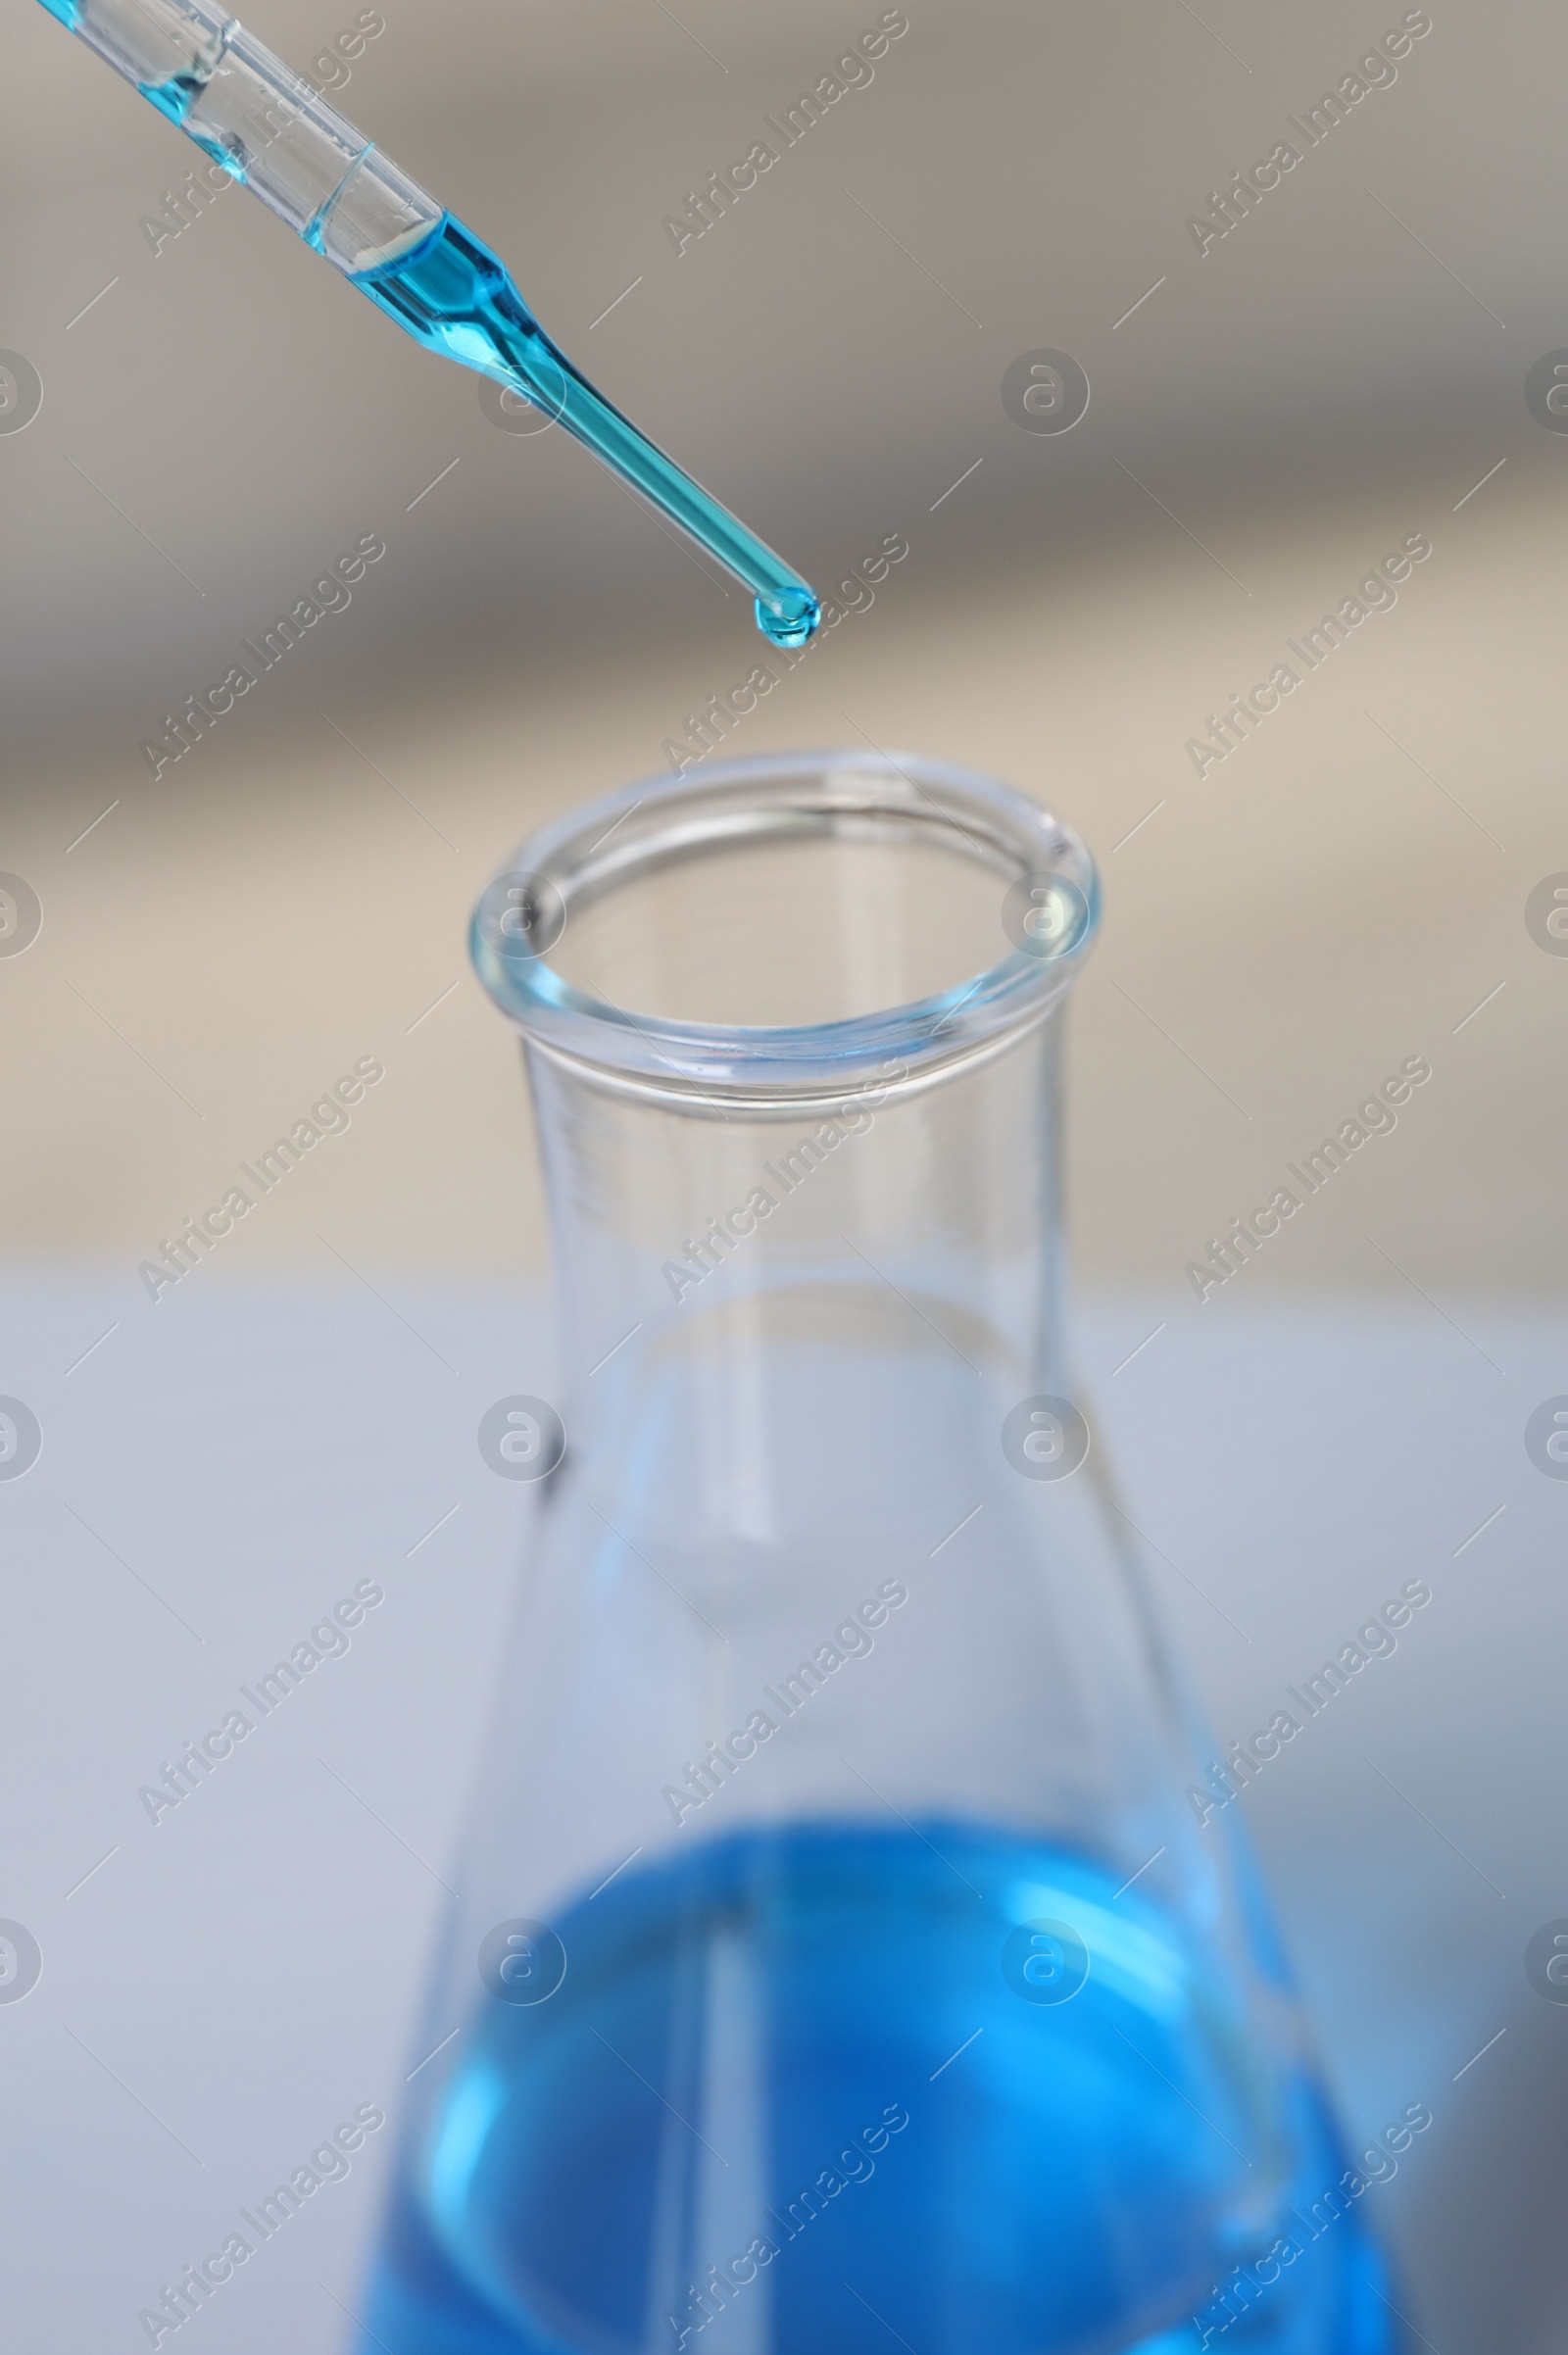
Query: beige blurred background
{"points": [[220, 420], [1279, 411]]}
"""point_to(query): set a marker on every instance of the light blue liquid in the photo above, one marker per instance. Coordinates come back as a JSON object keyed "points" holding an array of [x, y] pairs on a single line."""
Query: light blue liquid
{"points": [[453, 295], [741, 2026]]}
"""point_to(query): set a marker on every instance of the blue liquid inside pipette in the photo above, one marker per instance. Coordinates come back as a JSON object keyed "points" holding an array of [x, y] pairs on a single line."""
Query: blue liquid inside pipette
{"points": [[1072, 2178], [447, 289], [453, 295]]}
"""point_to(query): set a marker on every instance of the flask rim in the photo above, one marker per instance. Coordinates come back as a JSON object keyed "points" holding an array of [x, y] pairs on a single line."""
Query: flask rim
{"points": [[598, 845]]}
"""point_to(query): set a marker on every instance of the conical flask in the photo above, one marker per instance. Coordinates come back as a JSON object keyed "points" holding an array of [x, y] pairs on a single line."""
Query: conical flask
{"points": [[843, 1961]]}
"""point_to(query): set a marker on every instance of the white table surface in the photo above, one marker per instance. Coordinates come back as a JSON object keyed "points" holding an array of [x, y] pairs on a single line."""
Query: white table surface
{"points": [[225, 1988]]}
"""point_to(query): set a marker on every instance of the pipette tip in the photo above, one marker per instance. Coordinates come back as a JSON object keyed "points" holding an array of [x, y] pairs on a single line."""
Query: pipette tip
{"points": [[789, 618]]}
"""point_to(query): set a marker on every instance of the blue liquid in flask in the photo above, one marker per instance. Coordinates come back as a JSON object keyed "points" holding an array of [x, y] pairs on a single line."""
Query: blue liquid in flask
{"points": [[797, 2096], [456, 297]]}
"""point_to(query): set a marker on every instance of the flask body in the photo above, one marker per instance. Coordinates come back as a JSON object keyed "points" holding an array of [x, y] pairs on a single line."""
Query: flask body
{"points": [[846, 1950]]}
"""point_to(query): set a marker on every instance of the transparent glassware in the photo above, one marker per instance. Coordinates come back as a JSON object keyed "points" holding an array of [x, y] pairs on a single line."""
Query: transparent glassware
{"points": [[840, 1961], [276, 134]]}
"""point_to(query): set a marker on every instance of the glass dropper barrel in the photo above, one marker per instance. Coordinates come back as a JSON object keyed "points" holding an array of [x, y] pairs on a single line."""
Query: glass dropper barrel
{"points": [[277, 135]]}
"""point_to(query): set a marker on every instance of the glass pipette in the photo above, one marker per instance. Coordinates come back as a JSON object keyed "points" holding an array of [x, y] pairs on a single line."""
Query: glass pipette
{"points": [[276, 135]]}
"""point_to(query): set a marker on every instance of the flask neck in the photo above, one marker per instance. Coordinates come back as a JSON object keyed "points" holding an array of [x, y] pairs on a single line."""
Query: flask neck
{"points": [[794, 1032], [740, 1290]]}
